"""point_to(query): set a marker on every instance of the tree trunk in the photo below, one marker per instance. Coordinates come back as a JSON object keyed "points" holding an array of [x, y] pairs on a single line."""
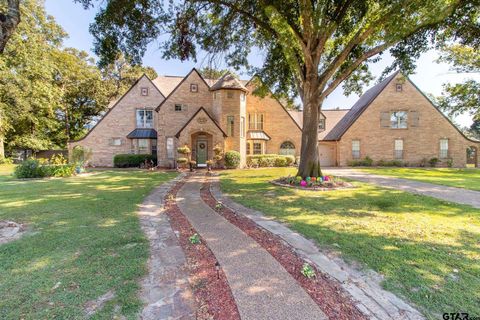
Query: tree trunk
{"points": [[309, 159], [8, 22], [2, 148]]}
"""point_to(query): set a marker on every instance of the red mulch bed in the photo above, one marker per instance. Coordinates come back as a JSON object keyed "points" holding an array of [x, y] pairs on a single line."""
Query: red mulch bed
{"points": [[326, 292], [212, 294]]}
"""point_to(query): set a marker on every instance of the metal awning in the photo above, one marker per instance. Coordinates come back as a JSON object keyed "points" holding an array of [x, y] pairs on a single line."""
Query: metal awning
{"points": [[142, 134], [257, 135]]}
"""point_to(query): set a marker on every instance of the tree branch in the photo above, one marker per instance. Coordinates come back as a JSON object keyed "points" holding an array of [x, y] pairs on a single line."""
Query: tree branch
{"points": [[8, 22]]}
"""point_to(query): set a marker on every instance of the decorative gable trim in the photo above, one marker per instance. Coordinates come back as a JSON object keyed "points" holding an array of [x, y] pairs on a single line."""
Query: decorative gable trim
{"points": [[193, 117], [179, 84], [116, 103]]}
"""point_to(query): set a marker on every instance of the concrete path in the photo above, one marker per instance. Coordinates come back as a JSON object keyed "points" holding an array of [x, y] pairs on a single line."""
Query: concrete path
{"points": [[165, 290], [452, 194], [261, 287]]}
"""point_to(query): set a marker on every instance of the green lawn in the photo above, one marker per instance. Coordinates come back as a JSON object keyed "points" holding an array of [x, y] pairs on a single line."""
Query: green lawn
{"points": [[418, 243], [461, 178], [84, 235]]}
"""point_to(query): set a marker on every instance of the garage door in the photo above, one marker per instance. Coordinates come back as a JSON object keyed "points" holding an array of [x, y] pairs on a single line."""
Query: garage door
{"points": [[327, 155]]}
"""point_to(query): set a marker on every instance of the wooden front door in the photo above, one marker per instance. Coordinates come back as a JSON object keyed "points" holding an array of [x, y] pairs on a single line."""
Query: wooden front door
{"points": [[202, 152]]}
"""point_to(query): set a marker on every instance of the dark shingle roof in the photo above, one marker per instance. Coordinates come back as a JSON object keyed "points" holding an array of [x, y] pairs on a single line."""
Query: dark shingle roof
{"points": [[142, 134], [361, 105]]}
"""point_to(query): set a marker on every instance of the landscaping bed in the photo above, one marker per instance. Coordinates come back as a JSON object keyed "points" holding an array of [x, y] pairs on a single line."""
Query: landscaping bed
{"points": [[210, 286], [323, 183], [328, 294]]}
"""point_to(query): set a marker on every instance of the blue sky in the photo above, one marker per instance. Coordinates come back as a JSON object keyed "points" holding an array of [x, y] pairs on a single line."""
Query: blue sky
{"points": [[75, 20]]}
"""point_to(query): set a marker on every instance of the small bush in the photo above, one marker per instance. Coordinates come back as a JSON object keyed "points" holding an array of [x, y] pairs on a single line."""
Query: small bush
{"points": [[132, 160], [433, 162], [232, 159], [5, 160], [450, 163], [40, 168], [280, 162], [390, 163], [290, 160], [367, 162], [184, 150], [80, 156]]}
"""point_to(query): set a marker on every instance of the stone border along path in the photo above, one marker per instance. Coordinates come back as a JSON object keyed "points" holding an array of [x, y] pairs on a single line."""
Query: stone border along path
{"points": [[446, 193], [261, 287], [365, 288], [165, 290]]}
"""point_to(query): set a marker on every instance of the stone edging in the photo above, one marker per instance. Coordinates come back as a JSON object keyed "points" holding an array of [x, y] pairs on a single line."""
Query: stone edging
{"points": [[165, 290], [364, 287]]}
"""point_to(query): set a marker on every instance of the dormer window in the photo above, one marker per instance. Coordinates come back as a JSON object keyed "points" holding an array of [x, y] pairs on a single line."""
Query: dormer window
{"points": [[144, 91], [193, 87], [321, 124], [144, 118], [399, 87]]}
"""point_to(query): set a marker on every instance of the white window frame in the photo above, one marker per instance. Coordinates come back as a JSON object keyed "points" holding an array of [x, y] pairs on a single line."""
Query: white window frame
{"points": [[116, 142], [398, 147], [322, 121], [170, 146], [251, 147], [396, 121], [144, 123], [256, 121], [356, 149], [443, 152], [230, 126]]}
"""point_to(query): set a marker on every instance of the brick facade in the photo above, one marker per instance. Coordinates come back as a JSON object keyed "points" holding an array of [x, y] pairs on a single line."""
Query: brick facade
{"points": [[210, 106], [420, 140]]}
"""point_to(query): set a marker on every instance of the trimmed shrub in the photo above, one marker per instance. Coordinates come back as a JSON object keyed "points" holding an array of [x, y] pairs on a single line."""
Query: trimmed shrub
{"points": [[390, 163], [132, 160], [280, 162], [6, 160], [232, 159], [290, 160], [269, 160], [367, 162], [433, 162], [40, 168], [184, 150]]}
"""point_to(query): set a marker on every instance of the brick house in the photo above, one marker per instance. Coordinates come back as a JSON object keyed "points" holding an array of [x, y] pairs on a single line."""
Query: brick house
{"points": [[393, 120]]}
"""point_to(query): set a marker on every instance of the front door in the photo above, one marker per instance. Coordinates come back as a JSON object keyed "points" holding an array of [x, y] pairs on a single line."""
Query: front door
{"points": [[202, 153]]}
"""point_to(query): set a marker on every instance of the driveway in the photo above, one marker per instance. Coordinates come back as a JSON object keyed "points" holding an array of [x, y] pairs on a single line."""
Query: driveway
{"points": [[451, 194]]}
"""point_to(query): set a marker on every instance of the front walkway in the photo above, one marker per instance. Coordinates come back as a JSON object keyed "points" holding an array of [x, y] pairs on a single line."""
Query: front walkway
{"points": [[452, 194], [262, 288]]}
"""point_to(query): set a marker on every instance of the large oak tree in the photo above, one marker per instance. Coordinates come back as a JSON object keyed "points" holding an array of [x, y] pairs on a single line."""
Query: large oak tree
{"points": [[310, 47]]}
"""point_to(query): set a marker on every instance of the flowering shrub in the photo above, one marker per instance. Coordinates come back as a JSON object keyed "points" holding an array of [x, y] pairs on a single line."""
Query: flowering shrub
{"points": [[312, 182], [41, 168]]}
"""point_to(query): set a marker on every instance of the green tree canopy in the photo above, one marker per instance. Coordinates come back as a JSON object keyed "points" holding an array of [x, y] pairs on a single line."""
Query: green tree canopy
{"points": [[310, 47]]}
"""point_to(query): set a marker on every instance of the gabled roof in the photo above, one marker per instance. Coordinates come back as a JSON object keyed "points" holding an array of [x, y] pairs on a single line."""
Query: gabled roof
{"points": [[228, 81], [358, 108], [331, 116], [166, 84], [116, 103], [193, 117], [179, 84]]}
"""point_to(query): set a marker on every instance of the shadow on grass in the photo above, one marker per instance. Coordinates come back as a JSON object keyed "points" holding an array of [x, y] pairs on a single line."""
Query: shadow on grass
{"points": [[427, 250], [84, 236]]}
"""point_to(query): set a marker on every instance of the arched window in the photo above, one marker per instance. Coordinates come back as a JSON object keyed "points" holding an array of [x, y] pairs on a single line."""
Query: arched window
{"points": [[287, 148]]}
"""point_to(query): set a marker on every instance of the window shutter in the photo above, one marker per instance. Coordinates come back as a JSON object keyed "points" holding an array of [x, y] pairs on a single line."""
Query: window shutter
{"points": [[385, 119], [414, 119]]}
